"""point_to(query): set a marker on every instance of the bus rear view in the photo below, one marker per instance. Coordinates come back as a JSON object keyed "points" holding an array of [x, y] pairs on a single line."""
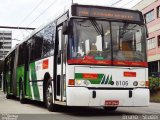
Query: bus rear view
{"points": [[107, 59]]}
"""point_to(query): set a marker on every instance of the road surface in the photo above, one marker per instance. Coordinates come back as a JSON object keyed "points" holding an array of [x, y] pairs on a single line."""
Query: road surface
{"points": [[12, 109]]}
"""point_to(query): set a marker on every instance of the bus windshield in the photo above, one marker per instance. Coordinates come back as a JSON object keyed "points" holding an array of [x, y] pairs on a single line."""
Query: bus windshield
{"points": [[102, 42]]}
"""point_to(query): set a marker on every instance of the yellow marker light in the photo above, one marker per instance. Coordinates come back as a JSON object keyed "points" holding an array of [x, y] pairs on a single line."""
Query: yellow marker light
{"points": [[142, 83], [78, 82]]}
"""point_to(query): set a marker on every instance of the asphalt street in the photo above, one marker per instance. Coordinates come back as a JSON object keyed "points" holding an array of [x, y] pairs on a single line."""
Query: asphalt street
{"points": [[12, 109]]}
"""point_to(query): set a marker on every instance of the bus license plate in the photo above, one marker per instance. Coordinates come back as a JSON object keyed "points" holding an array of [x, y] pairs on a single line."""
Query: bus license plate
{"points": [[111, 102]]}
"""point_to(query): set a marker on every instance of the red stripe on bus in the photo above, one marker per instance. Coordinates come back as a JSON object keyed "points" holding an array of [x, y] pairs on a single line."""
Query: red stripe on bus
{"points": [[130, 63], [89, 61], [107, 62]]}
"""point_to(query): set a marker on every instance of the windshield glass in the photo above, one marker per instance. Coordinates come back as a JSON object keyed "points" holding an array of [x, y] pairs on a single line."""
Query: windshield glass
{"points": [[128, 43], [90, 42]]}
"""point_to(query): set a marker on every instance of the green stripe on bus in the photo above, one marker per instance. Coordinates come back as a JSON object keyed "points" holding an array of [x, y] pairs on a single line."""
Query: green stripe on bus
{"points": [[34, 78], [79, 76], [28, 87], [101, 79], [110, 80], [20, 75]]}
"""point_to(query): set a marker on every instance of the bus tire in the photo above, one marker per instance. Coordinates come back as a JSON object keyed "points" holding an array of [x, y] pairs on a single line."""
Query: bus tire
{"points": [[8, 96], [110, 109], [49, 97], [7, 93], [21, 94]]}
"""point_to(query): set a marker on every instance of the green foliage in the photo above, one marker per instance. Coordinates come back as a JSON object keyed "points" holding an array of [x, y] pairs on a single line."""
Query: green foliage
{"points": [[154, 81]]}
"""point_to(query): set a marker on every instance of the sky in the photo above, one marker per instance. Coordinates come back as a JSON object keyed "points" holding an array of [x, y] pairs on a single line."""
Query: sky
{"points": [[34, 13]]}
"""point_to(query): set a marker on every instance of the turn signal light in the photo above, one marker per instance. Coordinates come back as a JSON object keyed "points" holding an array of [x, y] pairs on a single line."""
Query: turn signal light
{"points": [[147, 83], [71, 82]]}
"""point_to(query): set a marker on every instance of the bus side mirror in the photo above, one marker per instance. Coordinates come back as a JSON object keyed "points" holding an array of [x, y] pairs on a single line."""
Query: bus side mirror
{"points": [[65, 28]]}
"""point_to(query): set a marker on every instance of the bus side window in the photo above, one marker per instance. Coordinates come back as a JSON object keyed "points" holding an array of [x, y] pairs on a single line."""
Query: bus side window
{"points": [[36, 48], [22, 54], [48, 40]]}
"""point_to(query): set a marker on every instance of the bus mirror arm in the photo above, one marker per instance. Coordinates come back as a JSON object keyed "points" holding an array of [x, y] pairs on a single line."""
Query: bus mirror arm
{"points": [[59, 57], [59, 60]]}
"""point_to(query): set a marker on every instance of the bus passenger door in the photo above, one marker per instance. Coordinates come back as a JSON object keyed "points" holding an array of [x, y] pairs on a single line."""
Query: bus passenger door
{"points": [[60, 83]]}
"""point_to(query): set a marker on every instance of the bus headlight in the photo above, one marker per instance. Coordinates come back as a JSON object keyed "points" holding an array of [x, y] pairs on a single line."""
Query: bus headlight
{"points": [[142, 83], [82, 82], [135, 83]]}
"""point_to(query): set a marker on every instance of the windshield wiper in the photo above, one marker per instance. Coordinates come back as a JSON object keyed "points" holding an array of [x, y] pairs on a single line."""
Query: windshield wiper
{"points": [[96, 26], [99, 30]]}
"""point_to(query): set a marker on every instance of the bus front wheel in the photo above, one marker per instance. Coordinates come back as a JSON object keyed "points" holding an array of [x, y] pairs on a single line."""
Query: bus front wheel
{"points": [[8, 96], [49, 97]]}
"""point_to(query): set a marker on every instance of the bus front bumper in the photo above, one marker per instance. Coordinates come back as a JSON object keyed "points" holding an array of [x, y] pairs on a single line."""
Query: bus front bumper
{"points": [[81, 96]]}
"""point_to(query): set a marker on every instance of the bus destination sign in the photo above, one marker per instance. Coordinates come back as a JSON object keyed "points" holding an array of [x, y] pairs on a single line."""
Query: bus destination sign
{"points": [[106, 12]]}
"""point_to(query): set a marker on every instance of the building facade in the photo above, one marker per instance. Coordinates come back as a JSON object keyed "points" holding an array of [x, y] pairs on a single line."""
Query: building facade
{"points": [[5, 43], [151, 12]]}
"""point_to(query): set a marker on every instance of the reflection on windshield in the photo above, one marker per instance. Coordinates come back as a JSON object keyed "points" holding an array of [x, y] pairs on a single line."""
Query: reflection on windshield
{"points": [[90, 42], [127, 42]]}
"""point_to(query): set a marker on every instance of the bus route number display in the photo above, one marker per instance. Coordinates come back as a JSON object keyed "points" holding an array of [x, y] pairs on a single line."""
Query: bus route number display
{"points": [[106, 12]]}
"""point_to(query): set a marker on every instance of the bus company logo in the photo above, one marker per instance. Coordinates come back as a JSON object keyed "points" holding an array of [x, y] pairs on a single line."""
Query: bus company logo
{"points": [[107, 80], [45, 64]]}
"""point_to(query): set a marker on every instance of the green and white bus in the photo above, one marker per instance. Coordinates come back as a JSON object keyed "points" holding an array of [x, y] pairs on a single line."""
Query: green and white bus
{"points": [[89, 56]]}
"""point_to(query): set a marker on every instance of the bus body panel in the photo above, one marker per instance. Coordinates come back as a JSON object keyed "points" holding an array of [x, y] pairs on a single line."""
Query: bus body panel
{"points": [[124, 88], [37, 72], [115, 77], [34, 78], [81, 96]]}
